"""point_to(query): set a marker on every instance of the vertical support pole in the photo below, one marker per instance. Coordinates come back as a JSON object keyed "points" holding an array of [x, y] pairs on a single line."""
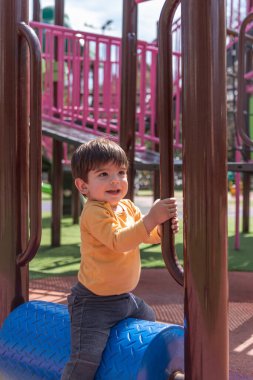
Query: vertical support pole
{"points": [[13, 280], [237, 203], [59, 12], [249, 6], [75, 205], [246, 203], [156, 174], [246, 177], [23, 189], [36, 10], [57, 176], [205, 189], [128, 86]]}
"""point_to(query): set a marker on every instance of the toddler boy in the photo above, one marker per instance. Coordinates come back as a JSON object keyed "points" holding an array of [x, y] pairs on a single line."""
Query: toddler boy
{"points": [[111, 230]]}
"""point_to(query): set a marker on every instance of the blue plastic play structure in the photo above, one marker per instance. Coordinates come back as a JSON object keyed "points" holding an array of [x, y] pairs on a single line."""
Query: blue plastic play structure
{"points": [[35, 345]]}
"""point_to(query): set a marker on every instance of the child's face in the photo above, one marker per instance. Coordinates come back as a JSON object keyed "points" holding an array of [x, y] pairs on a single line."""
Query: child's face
{"points": [[107, 183]]}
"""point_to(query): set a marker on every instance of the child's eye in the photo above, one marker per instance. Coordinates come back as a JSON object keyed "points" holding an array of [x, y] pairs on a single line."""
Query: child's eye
{"points": [[122, 172], [103, 174]]}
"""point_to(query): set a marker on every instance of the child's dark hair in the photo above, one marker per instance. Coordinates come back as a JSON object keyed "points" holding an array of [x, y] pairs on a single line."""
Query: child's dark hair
{"points": [[93, 154]]}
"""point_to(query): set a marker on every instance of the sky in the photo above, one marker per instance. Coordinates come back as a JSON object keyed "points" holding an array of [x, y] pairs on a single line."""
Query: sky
{"points": [[96, 12]]}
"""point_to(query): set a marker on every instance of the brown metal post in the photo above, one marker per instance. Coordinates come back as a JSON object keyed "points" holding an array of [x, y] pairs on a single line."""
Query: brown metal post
{"points": [[75, 204], [23, 152], [13, 188], [128, 86], [242, 104], [250, 5], [156, 174], [246, 178], [59, 12], [165, 127], [57, 174], [246, 203], [205, 189], [36, 10], [57, 169]]}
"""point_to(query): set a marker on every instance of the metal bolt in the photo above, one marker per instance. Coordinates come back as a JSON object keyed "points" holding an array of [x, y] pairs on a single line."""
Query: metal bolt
{"points": [[177, 376]]}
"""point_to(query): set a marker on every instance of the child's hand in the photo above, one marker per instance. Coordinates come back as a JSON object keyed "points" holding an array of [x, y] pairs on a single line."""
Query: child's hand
{"points": [[174, 226], [161, 211]]}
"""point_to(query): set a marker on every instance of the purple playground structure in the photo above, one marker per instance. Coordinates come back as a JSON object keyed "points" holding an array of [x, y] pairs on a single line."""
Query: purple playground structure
{"points": [[154, 99], [87, 77]]}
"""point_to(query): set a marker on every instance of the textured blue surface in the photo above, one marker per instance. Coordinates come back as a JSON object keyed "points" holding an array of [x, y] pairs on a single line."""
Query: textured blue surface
{"points": [[142, 350], [35, 341], [35, 344]]}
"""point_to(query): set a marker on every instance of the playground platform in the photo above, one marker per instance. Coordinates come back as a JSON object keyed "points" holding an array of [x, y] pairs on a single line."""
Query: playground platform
{"points": [[166, 297]]}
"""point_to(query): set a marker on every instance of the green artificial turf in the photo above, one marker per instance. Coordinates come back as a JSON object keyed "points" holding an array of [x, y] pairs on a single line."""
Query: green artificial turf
{"points": [[64, 260]]}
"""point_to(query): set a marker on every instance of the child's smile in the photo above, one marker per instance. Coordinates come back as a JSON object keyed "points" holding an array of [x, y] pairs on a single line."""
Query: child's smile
{"points": [[115, 192]]}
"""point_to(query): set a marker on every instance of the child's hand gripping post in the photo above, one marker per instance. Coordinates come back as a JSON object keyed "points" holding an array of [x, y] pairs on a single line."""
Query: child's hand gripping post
{"points": [[161, 211]]}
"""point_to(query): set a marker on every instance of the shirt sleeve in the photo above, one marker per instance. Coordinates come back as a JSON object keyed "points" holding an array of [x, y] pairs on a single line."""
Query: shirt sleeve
{"points": [[104, 227], [153, 237]]}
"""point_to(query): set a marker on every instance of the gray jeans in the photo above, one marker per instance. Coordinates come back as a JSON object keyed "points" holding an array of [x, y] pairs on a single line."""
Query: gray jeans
{"points": [[92, 317]]}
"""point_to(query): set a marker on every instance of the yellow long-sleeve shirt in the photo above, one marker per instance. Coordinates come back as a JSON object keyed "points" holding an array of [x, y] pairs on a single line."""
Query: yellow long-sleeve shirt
{"points": [[110, 256]]}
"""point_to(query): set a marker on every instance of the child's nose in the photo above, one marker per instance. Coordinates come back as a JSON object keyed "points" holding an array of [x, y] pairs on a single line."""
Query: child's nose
{"points": [[114, 179]]}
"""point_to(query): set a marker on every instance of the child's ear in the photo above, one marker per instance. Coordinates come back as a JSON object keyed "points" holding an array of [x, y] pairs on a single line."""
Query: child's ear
{"points": [[81, 186]]}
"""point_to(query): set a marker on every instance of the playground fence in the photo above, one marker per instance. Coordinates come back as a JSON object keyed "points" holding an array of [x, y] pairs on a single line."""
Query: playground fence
{"points": [[81, 83]]}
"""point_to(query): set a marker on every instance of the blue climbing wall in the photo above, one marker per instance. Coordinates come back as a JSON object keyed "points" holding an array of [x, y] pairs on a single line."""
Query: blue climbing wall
{"points": [[35, 344]]}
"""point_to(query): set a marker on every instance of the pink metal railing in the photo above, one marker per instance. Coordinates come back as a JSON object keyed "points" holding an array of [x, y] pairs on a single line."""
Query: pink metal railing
{"points": [[81, 79], [81, 82], [85, 78]]}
